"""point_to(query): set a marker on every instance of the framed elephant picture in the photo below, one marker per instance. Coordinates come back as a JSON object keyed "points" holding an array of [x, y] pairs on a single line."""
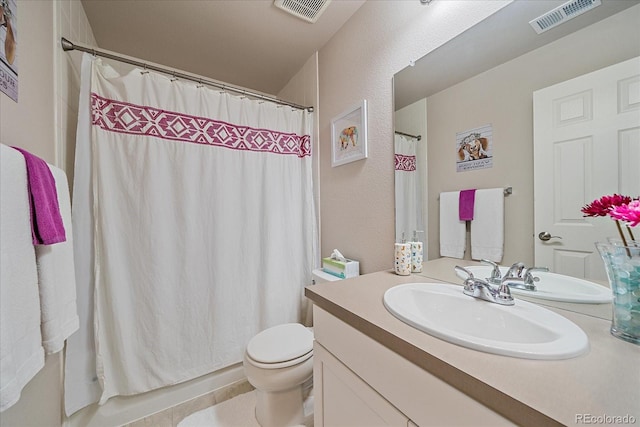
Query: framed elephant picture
{"points": [[349, 135]]}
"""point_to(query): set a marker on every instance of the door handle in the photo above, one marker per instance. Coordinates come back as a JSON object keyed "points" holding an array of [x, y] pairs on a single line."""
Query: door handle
{"points": [[545, 236]]}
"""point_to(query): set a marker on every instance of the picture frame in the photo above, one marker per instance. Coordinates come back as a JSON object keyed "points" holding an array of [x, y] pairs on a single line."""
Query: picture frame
{"points": [[349, 135], [474, 149]]}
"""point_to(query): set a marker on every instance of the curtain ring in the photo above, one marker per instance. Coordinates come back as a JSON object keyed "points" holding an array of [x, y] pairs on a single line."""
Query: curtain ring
{"points": [[174, 78], [144, 71], [199, 83]]}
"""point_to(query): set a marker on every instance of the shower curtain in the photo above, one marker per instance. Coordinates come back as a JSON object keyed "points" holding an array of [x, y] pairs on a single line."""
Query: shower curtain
{"points": [[195, 210], [408, 189]]}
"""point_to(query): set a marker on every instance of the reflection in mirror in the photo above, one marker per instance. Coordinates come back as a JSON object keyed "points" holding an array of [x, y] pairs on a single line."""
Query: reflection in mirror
{"points": [[488, 75], [408, 187], [410, 168]]}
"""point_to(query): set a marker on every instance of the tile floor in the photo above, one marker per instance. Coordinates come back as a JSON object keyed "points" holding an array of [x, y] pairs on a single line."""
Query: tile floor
{"points": [[172, 416]]}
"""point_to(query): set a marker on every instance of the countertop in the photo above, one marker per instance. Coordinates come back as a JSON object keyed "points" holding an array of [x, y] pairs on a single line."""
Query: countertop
{"points": [[604, 382]]}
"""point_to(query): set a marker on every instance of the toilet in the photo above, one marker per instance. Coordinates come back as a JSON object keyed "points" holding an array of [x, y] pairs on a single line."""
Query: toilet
{"points": [[278, 362]]}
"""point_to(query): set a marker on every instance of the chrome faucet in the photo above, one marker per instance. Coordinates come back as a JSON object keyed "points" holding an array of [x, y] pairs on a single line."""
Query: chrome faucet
{"points": [[520, 277], [481, 289]]}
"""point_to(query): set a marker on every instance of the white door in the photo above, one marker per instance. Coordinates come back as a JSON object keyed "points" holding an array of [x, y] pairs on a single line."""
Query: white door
{"points": [[586, 145]]}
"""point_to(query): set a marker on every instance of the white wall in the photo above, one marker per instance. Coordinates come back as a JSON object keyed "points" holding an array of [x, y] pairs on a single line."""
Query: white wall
{"points": [[383, 36], [29, 123]]}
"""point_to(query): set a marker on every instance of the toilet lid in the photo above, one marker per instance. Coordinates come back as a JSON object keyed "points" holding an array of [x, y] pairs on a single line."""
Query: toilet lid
{"points": [[280, 343]]}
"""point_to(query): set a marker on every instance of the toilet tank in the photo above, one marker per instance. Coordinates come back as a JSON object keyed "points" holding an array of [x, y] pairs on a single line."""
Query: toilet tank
{"points": [[317, 276], [320, 276]]}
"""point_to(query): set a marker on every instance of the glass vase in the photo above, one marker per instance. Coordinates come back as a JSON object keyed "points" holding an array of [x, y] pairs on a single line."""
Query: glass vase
{"points": [[622, 264]]}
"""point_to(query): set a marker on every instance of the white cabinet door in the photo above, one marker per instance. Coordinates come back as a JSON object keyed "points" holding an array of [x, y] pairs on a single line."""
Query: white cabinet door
{"points": [[343, 399], [586, 145]]}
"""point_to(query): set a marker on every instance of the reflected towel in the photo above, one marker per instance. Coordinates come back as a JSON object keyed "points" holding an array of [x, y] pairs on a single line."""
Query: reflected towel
{"points": [[487, 228], [466, 204], [453, 232], [46, 222]]}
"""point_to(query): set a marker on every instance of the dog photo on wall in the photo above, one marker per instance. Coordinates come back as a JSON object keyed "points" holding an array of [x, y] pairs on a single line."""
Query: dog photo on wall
{"points": [[473, 149]]}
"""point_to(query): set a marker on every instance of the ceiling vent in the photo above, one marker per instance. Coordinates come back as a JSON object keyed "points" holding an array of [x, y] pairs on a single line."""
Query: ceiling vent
{"points": [[562, 14], [308, 10]]}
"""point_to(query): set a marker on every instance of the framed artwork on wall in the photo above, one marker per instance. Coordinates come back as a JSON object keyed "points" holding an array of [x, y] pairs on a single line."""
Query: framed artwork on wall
{"points": [[474, 149], [9, 48], [349, 135]]}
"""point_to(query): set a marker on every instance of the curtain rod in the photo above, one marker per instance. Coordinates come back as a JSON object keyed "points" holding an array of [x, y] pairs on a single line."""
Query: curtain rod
{"points": [[418, 137], [67, 45]]}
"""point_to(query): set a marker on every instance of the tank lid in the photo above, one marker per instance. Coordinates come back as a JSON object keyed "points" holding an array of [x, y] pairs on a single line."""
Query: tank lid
{"points": [[320, 276]]}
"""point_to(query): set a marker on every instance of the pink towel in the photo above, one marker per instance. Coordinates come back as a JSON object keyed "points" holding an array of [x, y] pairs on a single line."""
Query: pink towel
{"points": [[46, 220], [465, 206]]}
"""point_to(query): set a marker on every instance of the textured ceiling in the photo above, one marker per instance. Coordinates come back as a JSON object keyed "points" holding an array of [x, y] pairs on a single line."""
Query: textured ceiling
{"points": [[248, 43]]}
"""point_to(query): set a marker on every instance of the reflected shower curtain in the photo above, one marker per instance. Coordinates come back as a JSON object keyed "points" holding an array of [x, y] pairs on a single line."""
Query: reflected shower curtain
{"points": [[198, 229], [408, 189]]}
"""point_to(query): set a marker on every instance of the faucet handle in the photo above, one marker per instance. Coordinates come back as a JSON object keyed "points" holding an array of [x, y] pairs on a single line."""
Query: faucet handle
{"points": [[496, 276], [473, 285], [516, 270], [463, 273], [529, 278]]}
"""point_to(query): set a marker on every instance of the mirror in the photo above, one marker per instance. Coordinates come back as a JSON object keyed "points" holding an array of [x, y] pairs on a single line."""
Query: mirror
{"points": [[486, 76]]}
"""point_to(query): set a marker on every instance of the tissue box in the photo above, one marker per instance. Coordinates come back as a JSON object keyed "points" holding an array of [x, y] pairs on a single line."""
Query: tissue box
{"points": [[341, 269]]}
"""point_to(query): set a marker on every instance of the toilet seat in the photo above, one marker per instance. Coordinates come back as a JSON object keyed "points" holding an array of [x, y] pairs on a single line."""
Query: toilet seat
{"points": [[281, 346]]}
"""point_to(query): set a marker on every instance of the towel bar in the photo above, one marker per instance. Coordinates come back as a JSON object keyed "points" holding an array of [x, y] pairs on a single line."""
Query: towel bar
{"points": [[507, 191]]}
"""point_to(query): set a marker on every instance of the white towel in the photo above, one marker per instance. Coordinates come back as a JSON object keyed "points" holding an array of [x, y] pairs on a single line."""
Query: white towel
{"points": [[487, 227], [56, 277], [453, 232], [21, 353]]}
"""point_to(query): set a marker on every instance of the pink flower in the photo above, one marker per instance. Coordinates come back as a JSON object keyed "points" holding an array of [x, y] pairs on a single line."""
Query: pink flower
{"points": [[629, 213], [619, 208], [603, 205]]}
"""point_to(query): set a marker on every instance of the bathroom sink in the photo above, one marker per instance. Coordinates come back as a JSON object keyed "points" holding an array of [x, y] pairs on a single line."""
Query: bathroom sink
{"points": [[555, 287], [523, 330]]}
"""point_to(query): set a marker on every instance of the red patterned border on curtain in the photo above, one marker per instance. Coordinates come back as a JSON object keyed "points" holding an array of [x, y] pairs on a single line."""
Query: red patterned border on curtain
{"points": [[405, 163], [123, 117]]}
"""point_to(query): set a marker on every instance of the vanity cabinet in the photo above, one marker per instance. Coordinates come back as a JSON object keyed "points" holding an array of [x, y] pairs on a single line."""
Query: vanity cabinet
{"points": [[360, 382], [346, 399], [378, 361]]}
